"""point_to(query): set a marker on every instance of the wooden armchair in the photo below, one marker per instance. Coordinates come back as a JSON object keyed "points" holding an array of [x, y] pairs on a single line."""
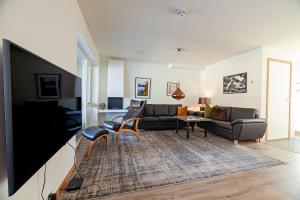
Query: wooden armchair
{"points": [[128, 124]]}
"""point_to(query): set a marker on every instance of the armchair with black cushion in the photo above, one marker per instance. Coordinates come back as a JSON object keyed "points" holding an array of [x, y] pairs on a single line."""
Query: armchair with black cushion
{"points": [[128, 123]]}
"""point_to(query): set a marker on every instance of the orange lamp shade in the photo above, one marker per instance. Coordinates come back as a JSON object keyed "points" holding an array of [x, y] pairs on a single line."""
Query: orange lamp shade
{"points": [[178, 94]]}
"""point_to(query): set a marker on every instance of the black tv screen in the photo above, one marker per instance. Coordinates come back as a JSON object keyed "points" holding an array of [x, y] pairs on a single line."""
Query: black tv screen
{"points": [[42, 109]]}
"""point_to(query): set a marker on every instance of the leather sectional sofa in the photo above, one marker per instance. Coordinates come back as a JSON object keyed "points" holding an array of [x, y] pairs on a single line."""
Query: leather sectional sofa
{"points": [[160, 116], [241, 124]]}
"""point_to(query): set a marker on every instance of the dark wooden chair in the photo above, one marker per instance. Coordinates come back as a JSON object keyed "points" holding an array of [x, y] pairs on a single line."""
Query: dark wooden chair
{"points": [[128, 123]]}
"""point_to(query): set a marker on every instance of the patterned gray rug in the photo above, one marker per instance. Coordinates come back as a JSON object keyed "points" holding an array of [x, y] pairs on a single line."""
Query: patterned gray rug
{"points": [[162, 158]]}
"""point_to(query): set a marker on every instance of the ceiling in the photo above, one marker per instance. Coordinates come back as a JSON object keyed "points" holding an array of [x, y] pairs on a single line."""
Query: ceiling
{"points": [[213, 30]]}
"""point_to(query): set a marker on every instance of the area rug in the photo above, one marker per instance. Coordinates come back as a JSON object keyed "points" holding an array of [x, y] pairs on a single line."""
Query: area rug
{"points": [[162, 158]]}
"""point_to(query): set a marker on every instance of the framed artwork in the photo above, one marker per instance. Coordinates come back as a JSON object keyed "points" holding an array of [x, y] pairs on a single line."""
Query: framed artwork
{"points": [[142, 88], [235, 84], [172, 87], [48, 86]]}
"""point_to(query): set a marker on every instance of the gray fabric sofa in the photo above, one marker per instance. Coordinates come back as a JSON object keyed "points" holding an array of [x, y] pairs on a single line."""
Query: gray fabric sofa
{"points": [[241, 124], [160, 116]]}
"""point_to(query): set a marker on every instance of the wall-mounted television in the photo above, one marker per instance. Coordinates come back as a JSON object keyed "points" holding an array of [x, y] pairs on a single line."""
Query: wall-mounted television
{"points": [[41, 111]]}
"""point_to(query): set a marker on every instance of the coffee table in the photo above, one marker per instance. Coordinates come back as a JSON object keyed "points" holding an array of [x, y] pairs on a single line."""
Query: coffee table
{"points": [[192, 119]]}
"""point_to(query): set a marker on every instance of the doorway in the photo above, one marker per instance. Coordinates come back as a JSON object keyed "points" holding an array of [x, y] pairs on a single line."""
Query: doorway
{"points": [[88, 70], [278, 108]]}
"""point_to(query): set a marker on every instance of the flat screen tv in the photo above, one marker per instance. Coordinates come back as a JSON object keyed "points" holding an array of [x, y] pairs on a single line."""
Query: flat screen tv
{"points": [[42, 109]]}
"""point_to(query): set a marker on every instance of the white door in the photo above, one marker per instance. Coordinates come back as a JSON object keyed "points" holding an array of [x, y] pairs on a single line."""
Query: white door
{"points": [[278, 103]]}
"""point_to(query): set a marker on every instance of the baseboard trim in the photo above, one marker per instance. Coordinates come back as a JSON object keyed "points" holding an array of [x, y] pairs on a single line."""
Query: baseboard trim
{"points": [[65, 182]]}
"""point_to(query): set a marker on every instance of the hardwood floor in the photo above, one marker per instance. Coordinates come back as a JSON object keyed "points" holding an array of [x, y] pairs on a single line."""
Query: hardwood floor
{"points": [[280, 182]]}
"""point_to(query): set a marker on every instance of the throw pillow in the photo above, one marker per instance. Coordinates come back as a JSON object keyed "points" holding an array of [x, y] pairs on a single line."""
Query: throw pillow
{"points": [[207, 111], [219, 113], [182, 111]]}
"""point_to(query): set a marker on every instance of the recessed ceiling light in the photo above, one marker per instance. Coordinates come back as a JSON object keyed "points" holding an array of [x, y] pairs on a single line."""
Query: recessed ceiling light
{"points": [[180, 49], [170, 65], [181, 13], [141, 52]]}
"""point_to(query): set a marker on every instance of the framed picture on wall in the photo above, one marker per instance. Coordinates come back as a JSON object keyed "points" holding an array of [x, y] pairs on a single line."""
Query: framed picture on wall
{"points": [[48, 86], [142, 88], [235, 84], [171, 87]]}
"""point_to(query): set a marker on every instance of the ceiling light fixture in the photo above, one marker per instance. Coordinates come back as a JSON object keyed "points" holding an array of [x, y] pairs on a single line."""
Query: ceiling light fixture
{"points": [[180, 49], [170, 65], [181, 13], [141, 52]]}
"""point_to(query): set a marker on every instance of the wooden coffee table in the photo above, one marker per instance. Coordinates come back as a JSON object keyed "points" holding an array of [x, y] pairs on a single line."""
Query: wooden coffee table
{"points": [[192, 119]]}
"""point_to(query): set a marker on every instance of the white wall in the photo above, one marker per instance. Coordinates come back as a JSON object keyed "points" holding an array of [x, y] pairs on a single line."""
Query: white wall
{"points": [[48, 28], [115, 78], [160, 74], [212, 80], [297, 97]]}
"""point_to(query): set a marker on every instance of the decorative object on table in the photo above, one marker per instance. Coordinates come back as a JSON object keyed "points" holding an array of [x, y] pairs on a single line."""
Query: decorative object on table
{"points": [[172, 87], [142, 88], [48, 86], [202, 101], [102, 106], [182, 111], [178, 94], [235, 84]]}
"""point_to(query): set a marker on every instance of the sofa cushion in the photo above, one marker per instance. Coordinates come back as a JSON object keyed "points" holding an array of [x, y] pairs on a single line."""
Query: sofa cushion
{"points": [[160, 110], [242, 113], [223, 124], [218, 113], [148, 110], [228, 111], [173, 109], [207, 111], [150, 119], [182, 111], [166, 119]]}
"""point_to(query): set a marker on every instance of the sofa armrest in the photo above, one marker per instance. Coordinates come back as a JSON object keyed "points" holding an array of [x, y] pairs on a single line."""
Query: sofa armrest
{"points": [[248, 121]]}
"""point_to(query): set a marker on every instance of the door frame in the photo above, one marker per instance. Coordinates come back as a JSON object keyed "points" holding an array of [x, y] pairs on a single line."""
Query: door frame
{"points": [[269, 60], [84, 52]]}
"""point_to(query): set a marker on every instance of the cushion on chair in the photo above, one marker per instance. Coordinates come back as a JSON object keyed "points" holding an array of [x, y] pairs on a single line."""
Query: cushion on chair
{"points": [[92, 133], [111, 125], [136, 103]]}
